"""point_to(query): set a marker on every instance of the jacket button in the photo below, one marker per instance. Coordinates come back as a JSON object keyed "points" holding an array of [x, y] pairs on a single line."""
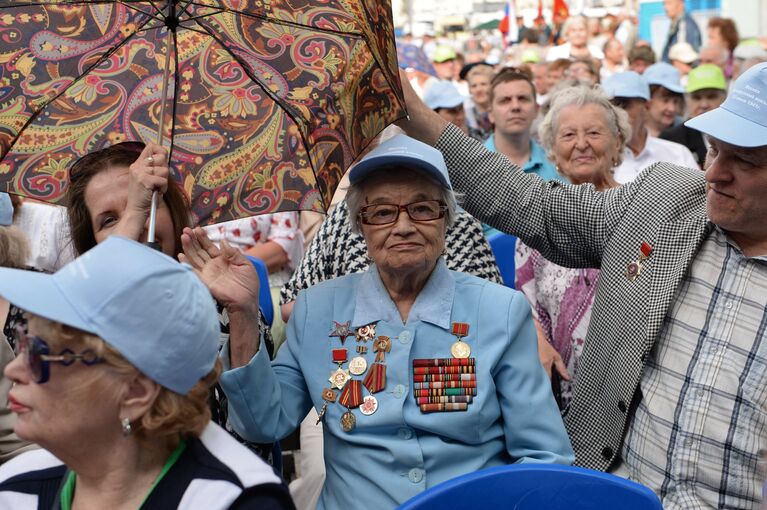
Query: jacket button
{"points": [[607, 453], [622, 406]]}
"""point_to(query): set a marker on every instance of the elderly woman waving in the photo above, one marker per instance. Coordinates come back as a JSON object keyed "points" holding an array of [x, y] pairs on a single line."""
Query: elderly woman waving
{"points": [[419, 373], [112, 381]]}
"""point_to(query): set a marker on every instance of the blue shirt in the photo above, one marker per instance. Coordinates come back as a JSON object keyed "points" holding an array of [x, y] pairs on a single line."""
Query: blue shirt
{"points": [[398, 452], [538, 164]]}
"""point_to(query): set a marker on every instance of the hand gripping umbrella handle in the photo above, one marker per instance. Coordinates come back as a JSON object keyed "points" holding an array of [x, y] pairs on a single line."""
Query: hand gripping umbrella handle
{"points": [[164, 100]]}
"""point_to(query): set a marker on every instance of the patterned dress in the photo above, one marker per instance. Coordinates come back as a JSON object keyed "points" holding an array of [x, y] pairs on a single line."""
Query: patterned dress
{"points": [[561, 299], [337, 251]]}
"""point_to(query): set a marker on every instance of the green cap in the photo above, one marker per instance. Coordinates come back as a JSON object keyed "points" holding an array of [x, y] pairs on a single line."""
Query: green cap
{"points": [[530, 57], [443, 54], [706, 76]]}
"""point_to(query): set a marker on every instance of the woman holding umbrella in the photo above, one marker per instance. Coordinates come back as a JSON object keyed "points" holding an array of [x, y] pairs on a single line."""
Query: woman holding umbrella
{"points": [[110, 193]]}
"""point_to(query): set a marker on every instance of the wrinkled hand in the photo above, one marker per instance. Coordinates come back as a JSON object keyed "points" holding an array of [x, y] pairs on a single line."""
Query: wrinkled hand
{"points": [[228, 274], [549, 356]]}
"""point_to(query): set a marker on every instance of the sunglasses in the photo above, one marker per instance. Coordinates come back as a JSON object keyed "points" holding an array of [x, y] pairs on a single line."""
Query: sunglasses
{"points": [[38, 357]]}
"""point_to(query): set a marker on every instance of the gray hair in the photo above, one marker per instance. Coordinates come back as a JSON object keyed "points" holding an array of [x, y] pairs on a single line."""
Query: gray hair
{"points": [[569, 22], [580, 95], [355, 200]]}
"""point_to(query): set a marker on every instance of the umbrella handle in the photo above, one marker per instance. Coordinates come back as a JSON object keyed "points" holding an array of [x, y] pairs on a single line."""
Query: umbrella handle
{"points": [[152, 220], [164, 98]]}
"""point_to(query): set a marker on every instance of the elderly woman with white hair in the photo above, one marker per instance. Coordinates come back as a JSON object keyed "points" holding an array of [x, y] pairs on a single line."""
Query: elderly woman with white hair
{"points": [[584, 135], [420, 373], [576, 34]]}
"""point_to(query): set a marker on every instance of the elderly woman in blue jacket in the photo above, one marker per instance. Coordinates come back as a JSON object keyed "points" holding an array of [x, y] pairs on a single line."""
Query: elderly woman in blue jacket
{"points": [[419, 373]]}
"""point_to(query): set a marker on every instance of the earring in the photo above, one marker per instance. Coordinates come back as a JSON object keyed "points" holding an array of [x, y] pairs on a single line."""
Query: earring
{"points": [[125, 422]]}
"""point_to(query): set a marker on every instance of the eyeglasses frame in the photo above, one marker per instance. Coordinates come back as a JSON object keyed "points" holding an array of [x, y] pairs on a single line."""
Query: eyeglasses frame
{"points": [[442, 211]]}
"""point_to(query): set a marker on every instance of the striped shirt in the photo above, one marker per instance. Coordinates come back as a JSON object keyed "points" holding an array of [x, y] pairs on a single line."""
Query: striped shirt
{"points": [[214, 472], [702, 419]]}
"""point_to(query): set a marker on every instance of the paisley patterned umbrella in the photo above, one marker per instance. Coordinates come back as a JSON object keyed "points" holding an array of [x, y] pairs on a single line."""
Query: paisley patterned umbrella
{"points": [[269, 100]]}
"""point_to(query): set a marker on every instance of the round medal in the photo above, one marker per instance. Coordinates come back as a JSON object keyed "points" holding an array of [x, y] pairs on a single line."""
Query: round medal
{"points": [[348, 421], [358, 365], [369, 405], [460, 349]]}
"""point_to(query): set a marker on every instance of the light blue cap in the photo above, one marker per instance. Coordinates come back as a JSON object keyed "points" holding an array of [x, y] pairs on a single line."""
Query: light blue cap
{"points": [[665, 75], [6, 210], [628, 84], [442, 94], [404, 152], [742, 119], [153, 310]]}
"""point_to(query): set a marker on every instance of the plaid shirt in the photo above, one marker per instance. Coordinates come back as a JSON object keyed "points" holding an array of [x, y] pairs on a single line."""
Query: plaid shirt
{"points": [[701, 422]]}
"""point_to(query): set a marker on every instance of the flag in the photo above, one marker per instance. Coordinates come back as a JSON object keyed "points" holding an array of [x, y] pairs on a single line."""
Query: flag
{"points": [[560, 10], [508, 25]]}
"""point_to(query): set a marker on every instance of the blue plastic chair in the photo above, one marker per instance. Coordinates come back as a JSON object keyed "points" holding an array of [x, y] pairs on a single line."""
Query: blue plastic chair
{"points": [[503, 246], [536, 487], [264, 293]]}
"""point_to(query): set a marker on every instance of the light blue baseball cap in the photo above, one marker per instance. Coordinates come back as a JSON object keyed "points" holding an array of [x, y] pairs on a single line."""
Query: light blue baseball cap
{"points": [[6, 210], [153, 310], [628, 84], [742, 119], [665, 75], [442, 94], [405, 152]]}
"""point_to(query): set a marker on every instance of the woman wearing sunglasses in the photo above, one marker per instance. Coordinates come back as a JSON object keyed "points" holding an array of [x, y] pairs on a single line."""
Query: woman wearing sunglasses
{"points": [[112, 381], [420, 373]]}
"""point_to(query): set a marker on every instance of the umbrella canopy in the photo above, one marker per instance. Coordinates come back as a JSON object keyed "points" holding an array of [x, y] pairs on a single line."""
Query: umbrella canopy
{"points": [[411, 56], [268, 102]]}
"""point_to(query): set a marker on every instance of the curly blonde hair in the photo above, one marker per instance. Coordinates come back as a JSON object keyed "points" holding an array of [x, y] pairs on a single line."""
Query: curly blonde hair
{"points": [[172, 416]]}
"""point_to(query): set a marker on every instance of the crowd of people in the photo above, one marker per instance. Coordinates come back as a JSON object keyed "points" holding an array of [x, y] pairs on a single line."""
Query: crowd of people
{"points": [[636, 186]]}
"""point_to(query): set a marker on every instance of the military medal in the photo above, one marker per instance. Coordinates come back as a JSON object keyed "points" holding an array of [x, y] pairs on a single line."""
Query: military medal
{"points": [[634, 269], [366, 333], [351, 396], [369, 405], [341, 330], [339, 377], [358, 365], [348, 421], [460, 349], [329, 396]]}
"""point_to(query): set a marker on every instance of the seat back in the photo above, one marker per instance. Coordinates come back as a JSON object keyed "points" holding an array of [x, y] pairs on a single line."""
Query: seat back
{"points": [[503, 246], [536, 487], [264, 292]]}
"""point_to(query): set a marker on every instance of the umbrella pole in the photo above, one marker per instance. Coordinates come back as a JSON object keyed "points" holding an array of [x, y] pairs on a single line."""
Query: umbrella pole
{"points": [[164, 98]]}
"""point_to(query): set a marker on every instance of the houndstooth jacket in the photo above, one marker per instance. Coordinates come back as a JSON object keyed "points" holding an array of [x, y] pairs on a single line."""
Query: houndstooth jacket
{"points": [[576, 226]]}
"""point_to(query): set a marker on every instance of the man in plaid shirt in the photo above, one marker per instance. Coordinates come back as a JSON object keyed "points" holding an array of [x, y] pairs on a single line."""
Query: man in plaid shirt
{"points": [[672, 388]]}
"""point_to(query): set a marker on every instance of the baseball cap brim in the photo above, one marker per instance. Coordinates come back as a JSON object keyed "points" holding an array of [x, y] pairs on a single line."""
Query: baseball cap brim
{"points": [[673, 87], [39, 294], [730, 128], [368, 166]]}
